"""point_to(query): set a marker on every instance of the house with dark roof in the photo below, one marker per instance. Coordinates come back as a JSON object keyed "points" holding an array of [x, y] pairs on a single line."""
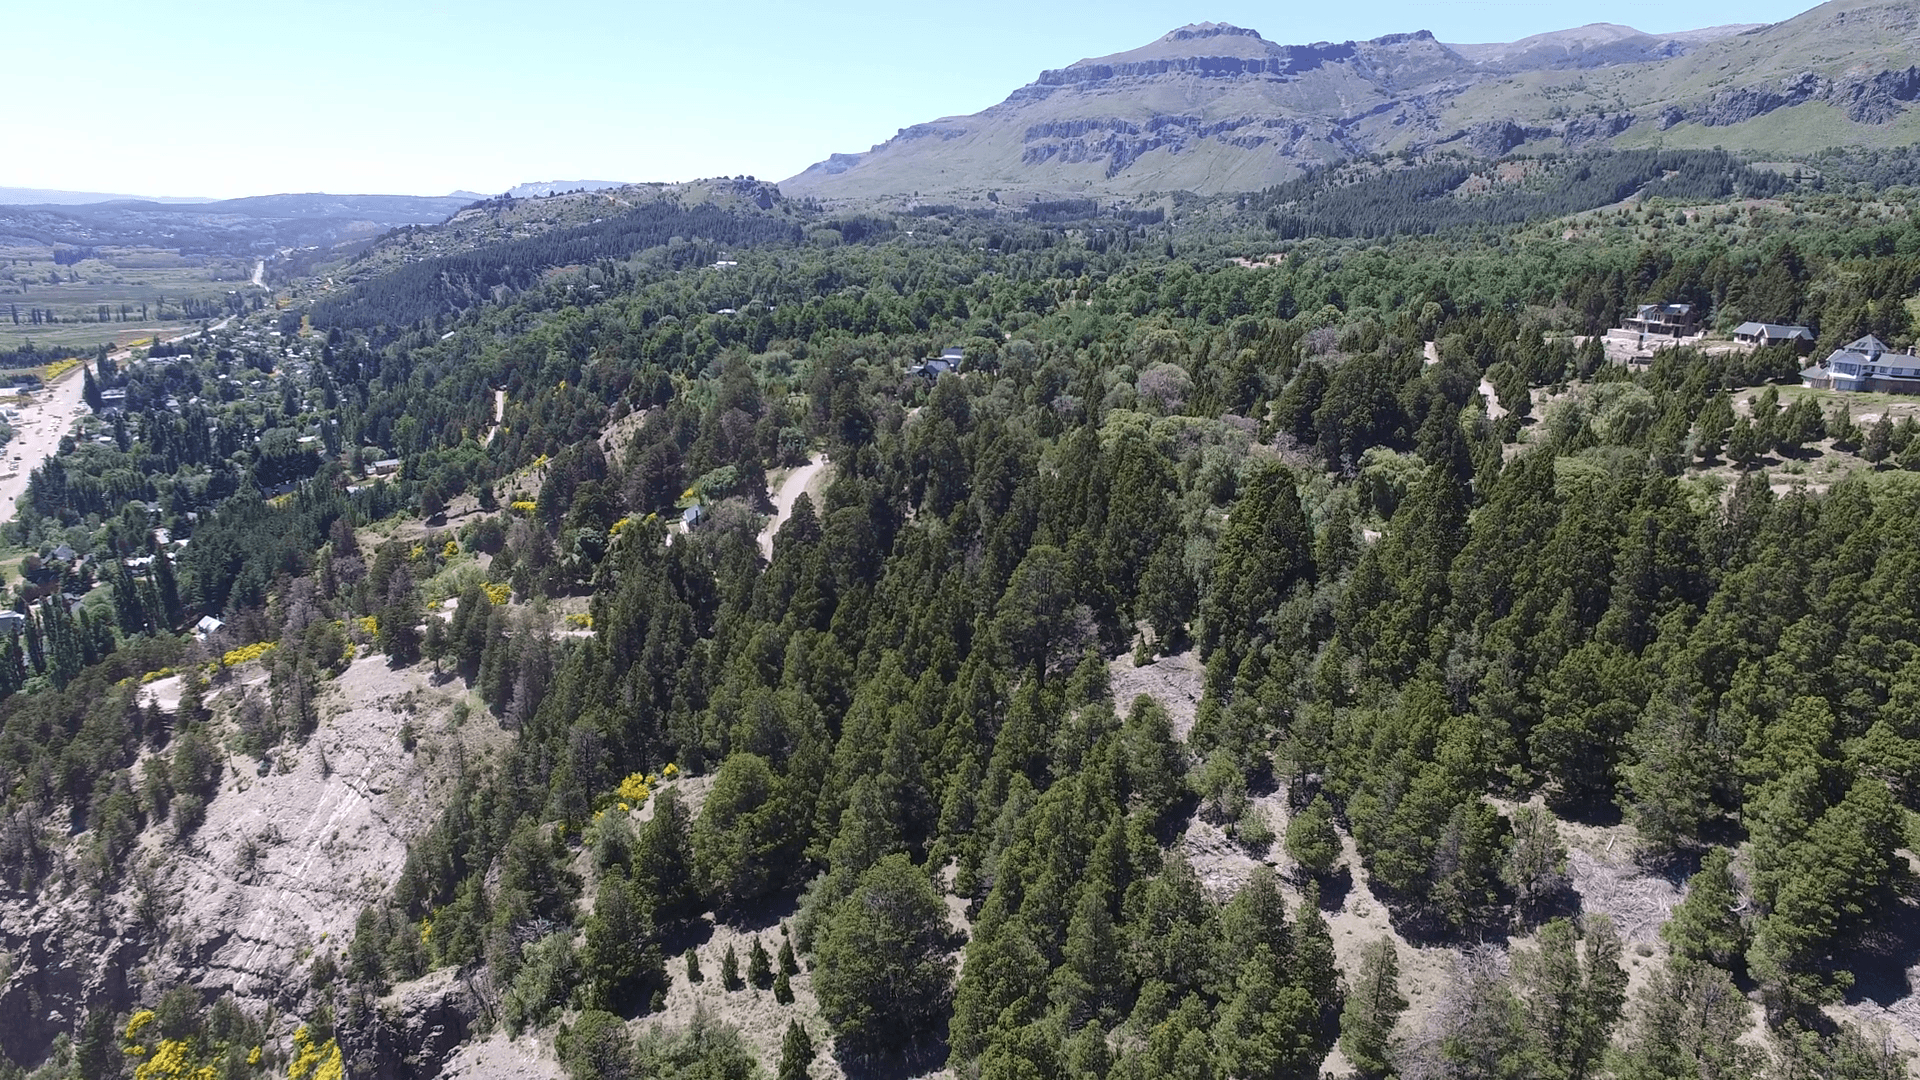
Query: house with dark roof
{"points": [[1868, 366], [933, 367], [1761, 334], [1664, 320]]}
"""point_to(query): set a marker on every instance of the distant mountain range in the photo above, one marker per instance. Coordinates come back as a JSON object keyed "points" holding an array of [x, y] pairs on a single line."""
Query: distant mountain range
{"points": [[1217, 108], [28, 196], [250, 226]]}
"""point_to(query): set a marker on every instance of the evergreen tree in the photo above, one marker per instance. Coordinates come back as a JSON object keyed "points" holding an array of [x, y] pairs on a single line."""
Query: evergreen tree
{"points": [[1710, 429], [663, 859], [1312, 842], [1878, 444], [883, 977], [1706, 925], [759, 965], [1372, 1009], [1571, 1005], [622, 960], [1687, 1022], [796, 1053], [1536, 864], [730, 970]]}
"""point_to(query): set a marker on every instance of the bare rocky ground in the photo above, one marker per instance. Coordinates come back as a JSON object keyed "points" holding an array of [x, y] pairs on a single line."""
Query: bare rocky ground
{"points": [[498, 1057], [289, 852], [1174, 681]]}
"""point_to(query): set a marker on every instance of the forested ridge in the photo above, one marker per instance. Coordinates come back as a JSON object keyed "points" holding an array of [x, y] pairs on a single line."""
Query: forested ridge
{"points": [[1444, 634]]}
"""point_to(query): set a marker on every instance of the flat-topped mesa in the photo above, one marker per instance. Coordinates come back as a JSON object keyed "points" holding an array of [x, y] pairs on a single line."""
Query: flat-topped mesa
{"points": [[1216, 50]]}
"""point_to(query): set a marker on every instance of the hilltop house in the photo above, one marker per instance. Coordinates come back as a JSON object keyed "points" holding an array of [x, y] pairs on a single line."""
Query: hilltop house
{"points": [[1763, 333], [1866, 365], [1664, 320]]}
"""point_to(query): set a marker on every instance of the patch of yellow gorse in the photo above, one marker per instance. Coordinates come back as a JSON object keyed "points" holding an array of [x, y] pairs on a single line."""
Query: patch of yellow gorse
{"points": [[315, 1061]]}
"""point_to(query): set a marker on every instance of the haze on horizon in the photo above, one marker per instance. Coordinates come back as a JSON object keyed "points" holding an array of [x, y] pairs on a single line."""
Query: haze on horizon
{"points": [[219, 99]]}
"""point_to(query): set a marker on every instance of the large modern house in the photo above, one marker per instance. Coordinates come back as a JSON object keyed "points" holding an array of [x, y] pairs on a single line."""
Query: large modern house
{"points": [[1866, 365], [1664, 320]]}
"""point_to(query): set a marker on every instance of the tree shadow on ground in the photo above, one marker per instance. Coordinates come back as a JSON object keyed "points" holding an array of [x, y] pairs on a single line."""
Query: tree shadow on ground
{"points": [[927, 1056], [1885, 952]]}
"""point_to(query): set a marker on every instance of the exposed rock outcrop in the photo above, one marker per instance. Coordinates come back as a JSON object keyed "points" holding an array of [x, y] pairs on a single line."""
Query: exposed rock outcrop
{"points": [[275, 874], [410, 1033]]}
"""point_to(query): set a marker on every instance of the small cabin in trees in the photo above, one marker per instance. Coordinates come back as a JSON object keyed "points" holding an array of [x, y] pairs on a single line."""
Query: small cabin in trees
{"points": [[1761, 334], [1664, 320], [1866, 365]]}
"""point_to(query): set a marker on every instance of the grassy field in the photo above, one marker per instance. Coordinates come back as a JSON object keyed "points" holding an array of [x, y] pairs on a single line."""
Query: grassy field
{"points": [[145, 286]]}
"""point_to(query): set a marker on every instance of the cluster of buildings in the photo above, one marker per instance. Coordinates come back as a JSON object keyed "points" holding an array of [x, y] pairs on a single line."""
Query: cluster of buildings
{"points": [[1866, 365]]}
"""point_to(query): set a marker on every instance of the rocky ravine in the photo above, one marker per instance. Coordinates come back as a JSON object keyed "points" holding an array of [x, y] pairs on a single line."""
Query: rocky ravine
{"points": [[289, 853]]}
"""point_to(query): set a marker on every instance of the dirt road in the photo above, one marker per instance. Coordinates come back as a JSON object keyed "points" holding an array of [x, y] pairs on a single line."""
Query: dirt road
{"points": [[796, 482]]}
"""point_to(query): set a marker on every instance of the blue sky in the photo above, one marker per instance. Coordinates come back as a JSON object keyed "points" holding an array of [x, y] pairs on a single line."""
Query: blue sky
{"points": [[216, 98]]}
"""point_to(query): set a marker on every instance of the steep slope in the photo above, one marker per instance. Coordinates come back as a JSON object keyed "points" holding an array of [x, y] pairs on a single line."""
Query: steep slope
{"points": [[289, 852], [1212, 107]]}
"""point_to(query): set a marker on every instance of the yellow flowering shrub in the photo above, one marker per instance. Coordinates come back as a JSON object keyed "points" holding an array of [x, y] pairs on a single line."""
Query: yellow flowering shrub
{"points": [[152, 676], [241, 655], [253, 1056], [369, 624], [135, 1025], [59, 368], [670, 771], [315, 1061], [634, 789], [417, 552], [450, 550], [172, 1060], [498, 594], [523, 507], [580, 621]]}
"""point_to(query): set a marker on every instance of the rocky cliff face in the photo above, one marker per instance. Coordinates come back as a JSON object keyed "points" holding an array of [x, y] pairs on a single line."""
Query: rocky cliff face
{"points": [[1254, 112], [290, 851]]}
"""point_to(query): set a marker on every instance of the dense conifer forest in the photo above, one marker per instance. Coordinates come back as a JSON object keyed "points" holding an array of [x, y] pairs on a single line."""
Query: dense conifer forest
{"points": [[1459, 588]]}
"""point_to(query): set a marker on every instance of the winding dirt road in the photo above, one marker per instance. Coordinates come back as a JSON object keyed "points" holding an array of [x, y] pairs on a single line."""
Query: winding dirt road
{"points": [[796, 482]]}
